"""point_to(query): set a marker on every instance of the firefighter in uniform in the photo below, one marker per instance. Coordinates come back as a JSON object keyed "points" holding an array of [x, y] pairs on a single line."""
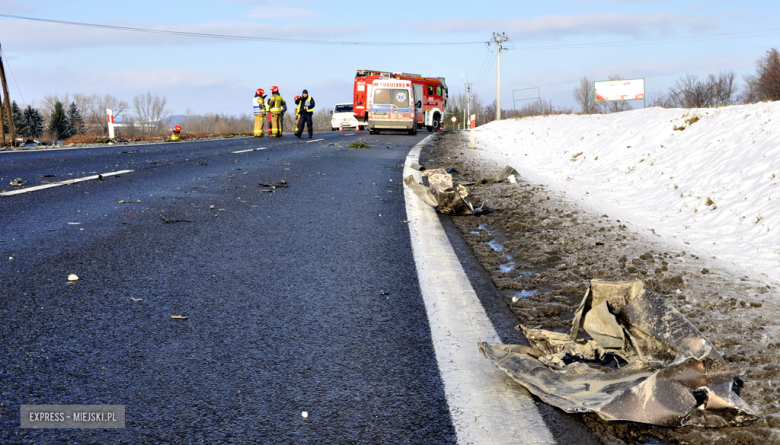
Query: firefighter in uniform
{"points": [[276, 105], [258, 105], [303, 108], [176, 134], [296, 113]]}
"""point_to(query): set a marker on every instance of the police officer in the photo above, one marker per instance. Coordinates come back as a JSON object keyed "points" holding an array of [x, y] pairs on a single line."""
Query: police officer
{"points": [[303, 108], [258, 105], [276, 105]]}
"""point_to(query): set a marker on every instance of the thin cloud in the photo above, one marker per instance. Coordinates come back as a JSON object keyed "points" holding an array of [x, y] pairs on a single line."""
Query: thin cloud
{"points": [[557, 26], [283, 12]]}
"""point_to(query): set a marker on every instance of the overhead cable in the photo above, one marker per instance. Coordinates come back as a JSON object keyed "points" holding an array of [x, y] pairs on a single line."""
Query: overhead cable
{"points": [[236, 37]]}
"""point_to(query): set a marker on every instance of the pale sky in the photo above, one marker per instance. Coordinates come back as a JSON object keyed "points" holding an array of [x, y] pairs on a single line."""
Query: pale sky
{"points": [[676, 37]]}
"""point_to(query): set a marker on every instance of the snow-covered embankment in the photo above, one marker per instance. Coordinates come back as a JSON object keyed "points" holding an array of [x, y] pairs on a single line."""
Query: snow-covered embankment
{"points": [[706, 177]]}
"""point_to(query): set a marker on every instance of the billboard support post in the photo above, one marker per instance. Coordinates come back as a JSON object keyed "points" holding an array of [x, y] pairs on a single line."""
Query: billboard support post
{"points": [[538, 98]]}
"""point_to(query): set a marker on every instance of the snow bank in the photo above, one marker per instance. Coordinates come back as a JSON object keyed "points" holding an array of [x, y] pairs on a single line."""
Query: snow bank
{"points": [[706, 177]]}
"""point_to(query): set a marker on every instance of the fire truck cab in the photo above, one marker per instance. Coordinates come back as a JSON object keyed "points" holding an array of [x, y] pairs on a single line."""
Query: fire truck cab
{"points": [[430, 96]]}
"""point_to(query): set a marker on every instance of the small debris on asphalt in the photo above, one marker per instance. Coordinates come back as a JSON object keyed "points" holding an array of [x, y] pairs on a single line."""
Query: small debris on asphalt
{"points": [[136, 299], [73, 277], [179, 317], [171, 221], [17, 182], [137, 201], [304, 414]]}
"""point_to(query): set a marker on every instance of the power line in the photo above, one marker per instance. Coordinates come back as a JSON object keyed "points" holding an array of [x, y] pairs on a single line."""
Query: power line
{"points": [[235, 37]]}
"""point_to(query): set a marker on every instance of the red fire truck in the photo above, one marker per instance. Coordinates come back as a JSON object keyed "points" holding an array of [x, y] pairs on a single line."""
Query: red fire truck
{"points": [[430, 93]]}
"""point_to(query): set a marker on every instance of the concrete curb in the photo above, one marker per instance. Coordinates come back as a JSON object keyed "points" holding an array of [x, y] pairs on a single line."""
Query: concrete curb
{"points": [[486, 406]]}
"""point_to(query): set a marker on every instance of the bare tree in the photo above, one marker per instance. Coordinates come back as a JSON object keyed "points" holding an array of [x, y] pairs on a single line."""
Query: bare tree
{"points": [[658, 99], [724, 88], [690, 92], [585, 96], [765, 84], [151, 111]]}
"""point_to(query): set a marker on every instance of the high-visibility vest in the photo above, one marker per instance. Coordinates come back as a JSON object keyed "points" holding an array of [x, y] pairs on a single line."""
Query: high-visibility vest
{"points": [[257, 105], [175, 137], [275, 104], [307, 105]]}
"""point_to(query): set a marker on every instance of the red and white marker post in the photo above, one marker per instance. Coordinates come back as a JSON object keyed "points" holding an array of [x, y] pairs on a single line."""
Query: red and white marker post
{"points": [[110, 114], [472, 126]]}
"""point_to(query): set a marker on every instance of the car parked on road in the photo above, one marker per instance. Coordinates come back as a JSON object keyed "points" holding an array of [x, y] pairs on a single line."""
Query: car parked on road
{"points": [[342, 115]]}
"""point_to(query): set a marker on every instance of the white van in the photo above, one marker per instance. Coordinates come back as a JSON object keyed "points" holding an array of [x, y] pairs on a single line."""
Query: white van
{"points": [[342, 114], [391, 106]]}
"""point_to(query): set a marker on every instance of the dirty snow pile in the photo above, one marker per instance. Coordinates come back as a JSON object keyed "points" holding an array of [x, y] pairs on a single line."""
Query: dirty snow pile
{"points": [[708, 178]]}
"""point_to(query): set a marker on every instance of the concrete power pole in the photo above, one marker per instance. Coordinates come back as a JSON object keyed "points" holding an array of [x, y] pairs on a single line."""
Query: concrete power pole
{"points": [[499, 39], [7, 106]]}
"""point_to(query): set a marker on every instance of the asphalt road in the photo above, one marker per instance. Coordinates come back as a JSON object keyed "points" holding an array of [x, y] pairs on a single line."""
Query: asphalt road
{"points": [[304, 299]]}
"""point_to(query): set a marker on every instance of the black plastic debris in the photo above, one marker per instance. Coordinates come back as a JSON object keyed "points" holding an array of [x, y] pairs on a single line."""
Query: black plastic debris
{"points": [[172, 221]]}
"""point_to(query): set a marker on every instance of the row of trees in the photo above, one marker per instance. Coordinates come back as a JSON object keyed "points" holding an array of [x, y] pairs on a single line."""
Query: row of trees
{"points": [[691, 91], [31, 123]]}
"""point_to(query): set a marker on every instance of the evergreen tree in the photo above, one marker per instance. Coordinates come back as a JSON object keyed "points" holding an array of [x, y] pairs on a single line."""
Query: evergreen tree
{"points": [[75, 120], [59, 125], [16, 113], [4, 116], [32, 122]]}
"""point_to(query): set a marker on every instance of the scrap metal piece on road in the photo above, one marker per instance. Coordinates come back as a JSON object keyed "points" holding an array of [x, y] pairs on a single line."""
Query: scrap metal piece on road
{"points": [[504, 175], [137, 201], [448, 198], [171, 221], [644, 362], [17, 182], [179, 317]]}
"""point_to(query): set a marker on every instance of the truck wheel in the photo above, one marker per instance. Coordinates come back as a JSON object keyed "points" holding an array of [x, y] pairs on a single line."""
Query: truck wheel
{"points": [[413, 132], [436, 124]]}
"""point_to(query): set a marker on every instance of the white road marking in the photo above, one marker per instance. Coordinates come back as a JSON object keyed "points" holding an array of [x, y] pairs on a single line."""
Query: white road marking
{"points": [[486, 406], [315, 140], [251, 149], [57, 184]]}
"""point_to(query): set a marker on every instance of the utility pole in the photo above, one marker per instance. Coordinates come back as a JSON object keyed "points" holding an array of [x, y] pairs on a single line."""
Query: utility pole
{"points": [[7, 105], [499, 39], [468, 102]]}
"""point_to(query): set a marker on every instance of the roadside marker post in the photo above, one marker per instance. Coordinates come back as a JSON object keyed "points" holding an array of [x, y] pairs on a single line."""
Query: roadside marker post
{"points": [[472, 125], [110, 114]]}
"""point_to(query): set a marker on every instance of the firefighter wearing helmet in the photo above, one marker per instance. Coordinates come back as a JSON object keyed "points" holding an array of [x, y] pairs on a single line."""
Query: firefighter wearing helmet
{"points": [[276, 106], [258, 105], [296, 113], [176, 134], [304, 107]]}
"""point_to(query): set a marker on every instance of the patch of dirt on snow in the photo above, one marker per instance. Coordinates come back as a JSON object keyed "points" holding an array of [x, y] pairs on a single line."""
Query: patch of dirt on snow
{"points": [[541, 250]]}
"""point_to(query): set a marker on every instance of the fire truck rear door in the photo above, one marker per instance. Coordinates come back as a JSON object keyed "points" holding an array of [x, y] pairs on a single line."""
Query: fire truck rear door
{"points": [[418, 97]]}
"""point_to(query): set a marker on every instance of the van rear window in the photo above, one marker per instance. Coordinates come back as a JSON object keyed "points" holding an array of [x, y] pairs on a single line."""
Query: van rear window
{"points": [[392, 96]]}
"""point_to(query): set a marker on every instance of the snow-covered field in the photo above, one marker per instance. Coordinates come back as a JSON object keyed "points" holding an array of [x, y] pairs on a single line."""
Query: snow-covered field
{"points": [[711, 183]]}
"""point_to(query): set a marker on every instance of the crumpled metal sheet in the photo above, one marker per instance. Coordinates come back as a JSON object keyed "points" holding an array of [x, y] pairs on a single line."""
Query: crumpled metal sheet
{"points": [[644, 362], [505, 174], [443, 193]]}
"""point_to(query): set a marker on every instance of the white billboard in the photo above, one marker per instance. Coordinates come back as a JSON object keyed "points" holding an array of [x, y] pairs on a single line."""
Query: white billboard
{"points": [[625, 89]]}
